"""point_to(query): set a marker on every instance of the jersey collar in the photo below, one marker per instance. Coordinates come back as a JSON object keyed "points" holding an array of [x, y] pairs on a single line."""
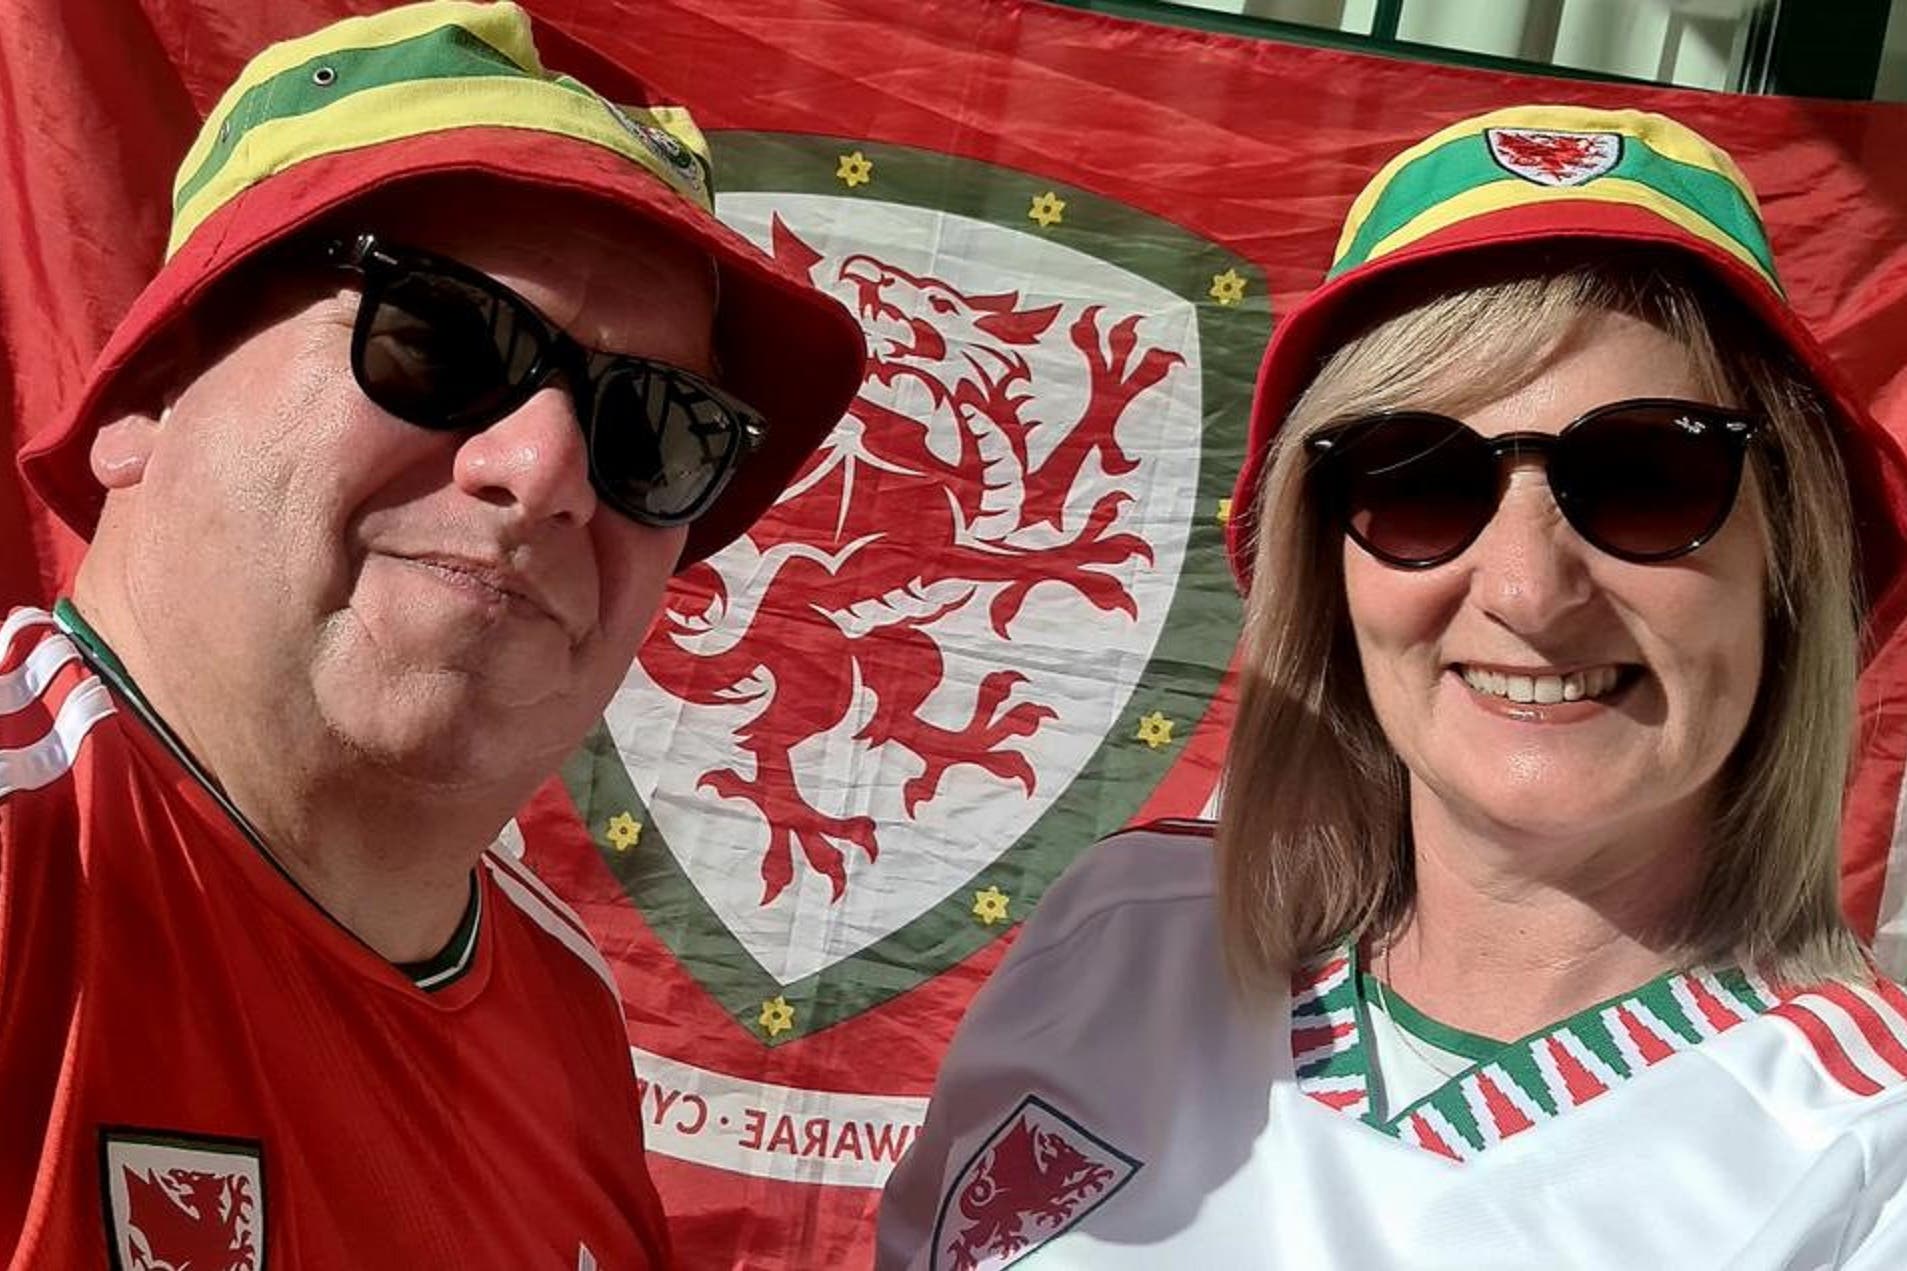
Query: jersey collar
{"points": [[438, 971], [1520, 1084]]}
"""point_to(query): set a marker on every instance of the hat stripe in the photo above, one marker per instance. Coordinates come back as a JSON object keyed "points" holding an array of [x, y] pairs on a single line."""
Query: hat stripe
{"points": [[413, 107], [1465, 164], [501, 26], [1664, 135], [1501, 196], [445, 52]]}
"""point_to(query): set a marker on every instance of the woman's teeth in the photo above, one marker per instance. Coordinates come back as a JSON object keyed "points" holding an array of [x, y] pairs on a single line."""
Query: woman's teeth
{"points": [[1543, 689]]}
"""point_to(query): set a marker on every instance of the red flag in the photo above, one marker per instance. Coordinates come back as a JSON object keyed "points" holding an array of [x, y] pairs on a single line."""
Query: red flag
{"points": [[838, 778]]}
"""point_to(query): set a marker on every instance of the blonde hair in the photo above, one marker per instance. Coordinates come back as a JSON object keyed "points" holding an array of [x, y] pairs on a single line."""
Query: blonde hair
{"points": [[1312, 837]]}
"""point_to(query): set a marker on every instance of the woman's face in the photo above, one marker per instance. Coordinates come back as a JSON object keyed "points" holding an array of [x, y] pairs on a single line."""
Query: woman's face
{"points": [[1681, 640]]}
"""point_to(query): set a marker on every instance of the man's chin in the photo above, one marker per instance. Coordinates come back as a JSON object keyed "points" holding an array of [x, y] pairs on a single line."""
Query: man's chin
{"points": [[452, 740]]}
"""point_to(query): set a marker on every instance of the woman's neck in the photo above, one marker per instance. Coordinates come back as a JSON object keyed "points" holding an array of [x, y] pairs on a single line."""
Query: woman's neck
{"points": [[1511, 932]]}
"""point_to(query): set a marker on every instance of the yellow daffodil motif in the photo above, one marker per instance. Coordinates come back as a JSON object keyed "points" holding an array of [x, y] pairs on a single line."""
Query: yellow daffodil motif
{"points": [[989, 906], [623, 831], [1155, 730], [777, 1017], [1224, 511], [1049, 209], [855, 169], [1228, 288]]}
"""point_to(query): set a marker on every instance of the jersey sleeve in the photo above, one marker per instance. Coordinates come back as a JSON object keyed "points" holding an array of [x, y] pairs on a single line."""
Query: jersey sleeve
{"points": [[1876, 1235], [49, 703], [1034, 1027], [9, 893], [978, 1078]]}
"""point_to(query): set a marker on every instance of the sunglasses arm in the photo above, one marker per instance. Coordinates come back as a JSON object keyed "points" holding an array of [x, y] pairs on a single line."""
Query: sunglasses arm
{"points": [[362, 253]]}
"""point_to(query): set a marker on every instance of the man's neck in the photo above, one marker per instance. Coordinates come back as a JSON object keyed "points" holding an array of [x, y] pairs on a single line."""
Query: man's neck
{"points": [[390, 865], [387, 859], [1507, 936]]}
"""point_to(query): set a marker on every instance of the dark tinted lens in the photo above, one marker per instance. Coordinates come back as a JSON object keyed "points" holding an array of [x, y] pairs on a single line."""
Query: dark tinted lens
{"points": [[443, 352], [1646, 481], [662, 440], [1416, 488]]}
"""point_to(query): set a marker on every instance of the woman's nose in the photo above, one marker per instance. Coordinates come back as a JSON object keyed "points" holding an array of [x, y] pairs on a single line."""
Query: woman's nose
{"points": [[1529, 567]]}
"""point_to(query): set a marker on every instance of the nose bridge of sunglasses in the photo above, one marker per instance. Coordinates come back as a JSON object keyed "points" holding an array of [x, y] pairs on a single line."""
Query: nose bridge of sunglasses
{"points": [[561, 366], [1522, 449], [1522, 458]]}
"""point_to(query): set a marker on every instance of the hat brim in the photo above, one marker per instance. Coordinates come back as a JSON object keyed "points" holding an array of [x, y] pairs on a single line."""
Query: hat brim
{"points": [[786, 349], [1874, 461]]}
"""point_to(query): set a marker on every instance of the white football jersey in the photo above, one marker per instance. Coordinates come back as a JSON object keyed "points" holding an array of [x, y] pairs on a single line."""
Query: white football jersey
{"points": [[1110, 1102]]}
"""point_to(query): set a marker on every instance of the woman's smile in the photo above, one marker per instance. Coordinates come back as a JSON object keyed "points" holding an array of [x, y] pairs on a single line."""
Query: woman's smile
{"points": [[1531, 695]]}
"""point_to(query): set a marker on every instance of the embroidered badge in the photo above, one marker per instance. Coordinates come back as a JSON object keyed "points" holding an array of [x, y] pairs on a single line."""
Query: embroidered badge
{"points": [[1554, 158], [684, 166], [174, 1202], [1039, 1174]]}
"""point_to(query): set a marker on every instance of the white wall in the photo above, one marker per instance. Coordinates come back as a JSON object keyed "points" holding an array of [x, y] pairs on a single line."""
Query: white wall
{"points": [[1892, 84]]}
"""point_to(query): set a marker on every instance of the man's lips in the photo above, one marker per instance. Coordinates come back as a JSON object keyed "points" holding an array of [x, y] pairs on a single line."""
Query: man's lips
{"points": [[500, 581]]}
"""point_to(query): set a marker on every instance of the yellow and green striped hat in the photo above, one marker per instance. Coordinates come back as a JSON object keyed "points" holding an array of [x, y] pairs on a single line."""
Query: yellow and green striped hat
{"points": [[1528, 176], [1566, 168], [313, 124]]}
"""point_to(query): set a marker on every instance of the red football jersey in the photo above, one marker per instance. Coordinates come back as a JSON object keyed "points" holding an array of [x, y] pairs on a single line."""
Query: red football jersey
{"points": [[199, 1067]]}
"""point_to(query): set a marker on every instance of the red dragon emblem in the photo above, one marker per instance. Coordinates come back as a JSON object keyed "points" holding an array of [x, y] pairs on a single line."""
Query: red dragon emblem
{"points": [[943, 489], [1555, 158], [1038, 1177], [190, 1220]]}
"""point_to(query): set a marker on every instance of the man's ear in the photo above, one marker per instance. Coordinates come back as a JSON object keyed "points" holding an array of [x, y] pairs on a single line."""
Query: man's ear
{"points": [[122, 446]]}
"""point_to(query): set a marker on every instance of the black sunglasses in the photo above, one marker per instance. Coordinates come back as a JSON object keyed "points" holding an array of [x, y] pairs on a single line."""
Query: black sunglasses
{"points": [[446, 347], [1645, 480]]}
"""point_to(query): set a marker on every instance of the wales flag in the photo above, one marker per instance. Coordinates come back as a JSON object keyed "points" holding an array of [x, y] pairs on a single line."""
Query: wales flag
{"points": [[992, 620]]}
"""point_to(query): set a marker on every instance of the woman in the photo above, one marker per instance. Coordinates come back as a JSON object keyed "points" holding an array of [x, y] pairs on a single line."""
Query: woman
{"points": [[1516, 942]]}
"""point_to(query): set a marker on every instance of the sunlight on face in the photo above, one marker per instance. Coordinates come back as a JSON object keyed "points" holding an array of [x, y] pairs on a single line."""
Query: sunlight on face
{"points": [[1662, 661], [456, 606]]}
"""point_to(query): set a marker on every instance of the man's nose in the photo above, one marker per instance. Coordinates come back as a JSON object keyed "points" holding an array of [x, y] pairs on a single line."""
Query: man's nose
{"points": [[534, 458]]}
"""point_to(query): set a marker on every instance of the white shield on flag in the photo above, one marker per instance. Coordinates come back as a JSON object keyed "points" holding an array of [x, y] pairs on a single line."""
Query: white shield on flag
{"points": [[983, 624], [1554, 158], [957, 597]]}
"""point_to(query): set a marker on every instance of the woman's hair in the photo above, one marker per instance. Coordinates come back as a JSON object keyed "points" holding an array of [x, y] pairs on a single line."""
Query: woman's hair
{"points": [[1313, 832]]}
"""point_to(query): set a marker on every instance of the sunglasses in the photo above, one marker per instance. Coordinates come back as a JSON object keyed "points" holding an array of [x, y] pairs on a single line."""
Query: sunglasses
{"points": [[449, 348], [1645, 480]]}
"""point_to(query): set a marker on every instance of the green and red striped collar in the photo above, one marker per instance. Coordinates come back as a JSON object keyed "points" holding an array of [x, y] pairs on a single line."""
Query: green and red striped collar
{"points": [[1520, 1084]]}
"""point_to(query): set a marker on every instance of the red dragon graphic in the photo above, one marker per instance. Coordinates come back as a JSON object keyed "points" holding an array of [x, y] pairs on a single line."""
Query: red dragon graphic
{"points": [[189, 1220], [1559, 155], [1028, 1174], [901, 519]]}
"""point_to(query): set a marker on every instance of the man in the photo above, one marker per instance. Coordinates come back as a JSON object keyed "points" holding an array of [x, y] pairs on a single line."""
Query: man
{"points": [[448, 368]]}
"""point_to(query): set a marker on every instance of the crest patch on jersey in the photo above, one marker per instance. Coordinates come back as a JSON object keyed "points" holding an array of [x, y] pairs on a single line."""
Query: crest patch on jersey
{"points": [[1038, 1174], [1554, 158], [179, 1203]]}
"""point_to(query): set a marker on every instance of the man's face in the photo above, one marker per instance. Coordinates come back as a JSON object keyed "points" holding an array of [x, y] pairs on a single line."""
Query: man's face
{"points": [[456, 608]]}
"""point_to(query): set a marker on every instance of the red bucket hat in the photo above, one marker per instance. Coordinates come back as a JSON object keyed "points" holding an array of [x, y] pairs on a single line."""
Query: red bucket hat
{"points": [[312, 124], [1546, 175]]}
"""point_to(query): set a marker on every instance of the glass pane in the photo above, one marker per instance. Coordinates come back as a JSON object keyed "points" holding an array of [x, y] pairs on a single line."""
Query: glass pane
{"points": [[1522, 29], [1891, 86], [1354, 16], [1695, 43]]}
